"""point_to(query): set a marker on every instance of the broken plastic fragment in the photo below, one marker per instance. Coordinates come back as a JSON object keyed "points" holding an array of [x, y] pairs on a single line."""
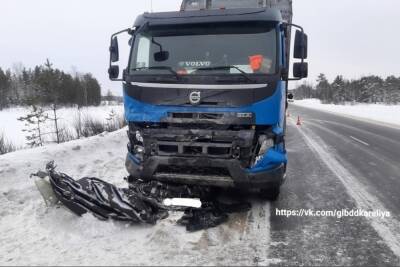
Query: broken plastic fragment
{"points": [[182, 202], [45, 189]]}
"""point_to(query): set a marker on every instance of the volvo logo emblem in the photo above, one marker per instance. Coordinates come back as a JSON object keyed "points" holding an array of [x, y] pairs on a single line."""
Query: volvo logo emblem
{"points": [[195, 97]]}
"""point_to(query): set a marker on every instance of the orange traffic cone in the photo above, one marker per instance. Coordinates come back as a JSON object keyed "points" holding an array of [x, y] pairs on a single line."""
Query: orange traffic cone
{"points": [[298, 121]]}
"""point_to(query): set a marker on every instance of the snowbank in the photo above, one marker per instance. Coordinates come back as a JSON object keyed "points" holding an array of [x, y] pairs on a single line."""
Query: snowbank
{"points": [[32, 234], [371, 112], [12, 128]]}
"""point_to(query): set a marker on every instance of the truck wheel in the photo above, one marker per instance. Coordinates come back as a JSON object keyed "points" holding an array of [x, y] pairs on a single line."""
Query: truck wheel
{"points": [[270, 193]]}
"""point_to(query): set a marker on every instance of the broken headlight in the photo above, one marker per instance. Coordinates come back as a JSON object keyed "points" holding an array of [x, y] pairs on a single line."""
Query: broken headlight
{"points": [[139, 137], [137, 145], [138, 151], [263, 145]]}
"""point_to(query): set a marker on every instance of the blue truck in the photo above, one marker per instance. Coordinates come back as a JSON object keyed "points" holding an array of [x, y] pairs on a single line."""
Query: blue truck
{"points": [[205, 93]]}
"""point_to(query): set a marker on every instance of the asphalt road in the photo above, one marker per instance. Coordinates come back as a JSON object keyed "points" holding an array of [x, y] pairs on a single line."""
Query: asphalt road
{"points": [[338, 163], [369, 151]]}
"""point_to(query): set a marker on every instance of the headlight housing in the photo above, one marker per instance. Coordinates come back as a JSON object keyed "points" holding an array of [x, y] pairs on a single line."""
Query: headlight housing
{"points": [[139, 137], [137, 145], [264, 144]]}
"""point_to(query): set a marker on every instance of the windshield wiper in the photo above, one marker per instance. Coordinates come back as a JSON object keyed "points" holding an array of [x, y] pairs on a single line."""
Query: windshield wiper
{"points": [[170, 69], [242, 72]]}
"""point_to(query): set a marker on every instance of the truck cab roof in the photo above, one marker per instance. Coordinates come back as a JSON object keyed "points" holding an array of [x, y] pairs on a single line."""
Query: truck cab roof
{"points": [[209, 16]]}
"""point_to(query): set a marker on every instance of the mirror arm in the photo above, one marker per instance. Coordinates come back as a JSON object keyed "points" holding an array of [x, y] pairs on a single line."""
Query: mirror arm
{"points": [[157, 44], [294, 25], [130, 31]]}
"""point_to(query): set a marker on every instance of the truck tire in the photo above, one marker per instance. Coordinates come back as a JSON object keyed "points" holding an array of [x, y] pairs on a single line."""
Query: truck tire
{"points": [[270, 193]]}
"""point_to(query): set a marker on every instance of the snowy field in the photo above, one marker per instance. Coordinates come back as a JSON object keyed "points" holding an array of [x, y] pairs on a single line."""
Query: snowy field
{"points": [[13, 129], [371, 112]]}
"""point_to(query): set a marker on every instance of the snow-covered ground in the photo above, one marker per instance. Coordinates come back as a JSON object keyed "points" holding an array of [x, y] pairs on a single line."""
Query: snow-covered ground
{"points": [[32, 234], [12, 128], [371, 112]]}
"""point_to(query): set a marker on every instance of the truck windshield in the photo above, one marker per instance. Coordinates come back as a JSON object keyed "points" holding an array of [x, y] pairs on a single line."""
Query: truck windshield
{"points": [[206, 50]]}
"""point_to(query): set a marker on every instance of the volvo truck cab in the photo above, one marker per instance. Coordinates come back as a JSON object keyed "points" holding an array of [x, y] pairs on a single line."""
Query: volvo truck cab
{"points": [[205, 93]]}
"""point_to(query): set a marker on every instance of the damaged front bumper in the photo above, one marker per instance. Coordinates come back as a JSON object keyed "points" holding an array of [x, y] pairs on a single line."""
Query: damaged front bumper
{"points": [[231, 173], [210, 157]]}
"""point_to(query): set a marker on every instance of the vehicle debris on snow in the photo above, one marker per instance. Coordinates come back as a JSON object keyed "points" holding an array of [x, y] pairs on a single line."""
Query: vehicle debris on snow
{"points": [[142, 202]]}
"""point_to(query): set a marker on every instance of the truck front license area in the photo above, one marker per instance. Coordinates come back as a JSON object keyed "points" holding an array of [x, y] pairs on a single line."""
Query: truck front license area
{"points": [[206, 154]]}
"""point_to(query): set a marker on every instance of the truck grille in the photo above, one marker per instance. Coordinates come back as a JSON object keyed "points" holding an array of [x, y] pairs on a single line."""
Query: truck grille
{"points": [[188, 141], [193, 149]]}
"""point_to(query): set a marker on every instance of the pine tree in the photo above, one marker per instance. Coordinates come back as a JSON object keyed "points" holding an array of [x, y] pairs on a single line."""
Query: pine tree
{"points": [[33, 122], [55, 119], [5, 145], [395, 93], [323, 89], [109, 96], [392, 90], [370, 89], [5, 81], [339, 90], [53, 93], [112, 121], [92, 90], [304, 91]]}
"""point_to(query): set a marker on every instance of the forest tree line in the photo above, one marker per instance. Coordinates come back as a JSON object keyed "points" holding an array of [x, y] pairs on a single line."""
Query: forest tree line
{"points": [[368, 89], [44, 85]]}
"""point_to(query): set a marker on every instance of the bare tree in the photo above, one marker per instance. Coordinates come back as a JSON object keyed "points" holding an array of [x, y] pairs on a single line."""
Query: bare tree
{"points": [[77, 123]]}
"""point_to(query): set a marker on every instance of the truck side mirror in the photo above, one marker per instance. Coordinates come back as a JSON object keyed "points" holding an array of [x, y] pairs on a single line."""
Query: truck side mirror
{"points": [[300, 70], [290, 96], [161, 56], [114, 50], [113, 72], [301, 45]]}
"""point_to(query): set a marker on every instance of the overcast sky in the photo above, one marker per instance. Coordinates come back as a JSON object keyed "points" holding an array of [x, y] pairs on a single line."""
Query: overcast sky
{"points": [[349, 37]]}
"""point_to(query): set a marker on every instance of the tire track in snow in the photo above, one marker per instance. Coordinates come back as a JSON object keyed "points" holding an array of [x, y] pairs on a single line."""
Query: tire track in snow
{"points": [[258, 233], [389, 228], [244, 240]]}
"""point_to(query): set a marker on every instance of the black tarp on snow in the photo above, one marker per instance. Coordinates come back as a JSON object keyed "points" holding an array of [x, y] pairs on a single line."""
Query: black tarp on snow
{"points": [[142, 202]]}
